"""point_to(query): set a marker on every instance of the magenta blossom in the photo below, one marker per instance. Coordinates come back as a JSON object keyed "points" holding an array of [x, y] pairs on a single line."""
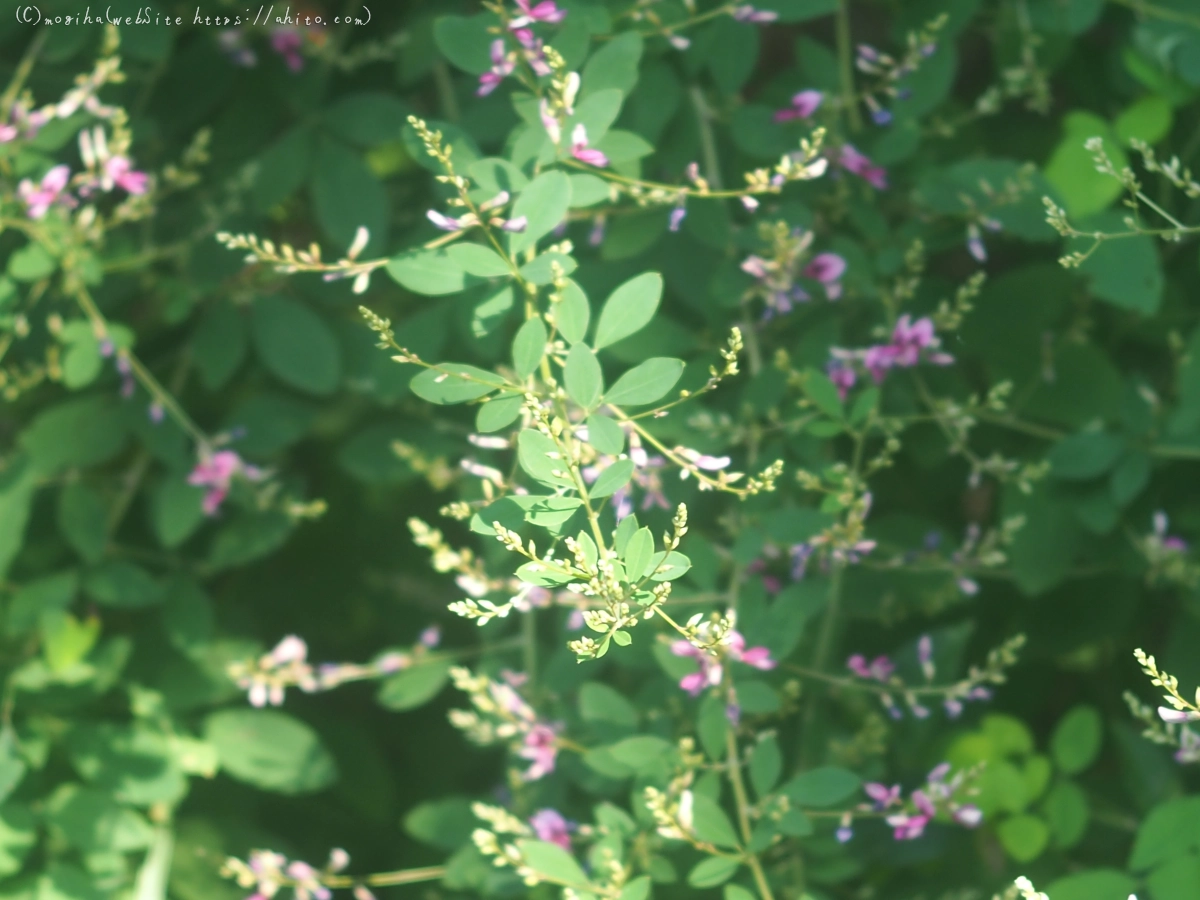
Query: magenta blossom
{"points": [[535, 53], [216, 472], [843, 378], [287, 42], [39, 199], [540, 747], [551, 827], [710, 671], [883, 795], [827, 268], [804, 104], [879, 669], [583, 153], [119, 170], [1169, 542], [502, 66], [852, 161], [545, 11], [747, 13]]}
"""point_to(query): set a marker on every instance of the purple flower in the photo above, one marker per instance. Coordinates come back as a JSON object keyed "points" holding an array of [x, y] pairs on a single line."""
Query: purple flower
{"points": [[38, 200], [286, 42], [232, 42], [906, 827], [843, 377], [879, 115], [676, 218], [827, 268], [799, 554], [583, 153], [804, 104], [545, 11], [551, 827], [747, 13], [430, 637], [502, 67], [710, 671], [216, 472], [852, 161], [535, 53], [844, 832], [925, 656], [882, 795], [540, 746], [879, 669]]}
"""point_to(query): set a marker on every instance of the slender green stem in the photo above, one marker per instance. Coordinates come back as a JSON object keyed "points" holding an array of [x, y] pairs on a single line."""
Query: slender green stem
{"points": [[733, 766], [845, 48]]}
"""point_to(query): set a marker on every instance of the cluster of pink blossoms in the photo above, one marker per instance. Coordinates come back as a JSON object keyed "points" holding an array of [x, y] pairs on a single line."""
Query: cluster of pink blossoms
{"points": [[909, 820], [470, 220], [881, 669], [286, 665], [286, 40], [549, 825], [216, 472], [533, 50], [267, 871], [777, 279], [911, 343], [732, 647], [105, 171]]}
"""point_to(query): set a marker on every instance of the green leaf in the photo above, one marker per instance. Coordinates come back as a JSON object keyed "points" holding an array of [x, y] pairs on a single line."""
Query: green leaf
{"points": [[544, 203], [283, 167], [1175, 879], [451, 383], [445, 824], [176, 510], [135, 764], [646, 383], [1126, 274], [83, 432], [430, 272], [1171, 829], [1075, 743], [1023, 837], [601, 704], [12, 766], [605, 435], [588, 189], [614, 65], [596, 112], [122, 584], [219, 343], [81, 362], [638, 889], [629, 308], [622, 146], [529, 347], [713, 871], [83, 520], [1066, 811], [17, 487], [464, 41], [498, 412], [823, 786], [710, 822], [765, 765], [248, 537], [476, 259], [1072, 171], [1083, 456], [271, 750], [414, 687], [1147, 119], [346, 195], [18, 835], [669, 566], [541, 270], [572, 313], [1130, 477], [638, 553], [823, 393], [296, 345], [65, 639], [553, 863], [583, 378], [366, 118], [612, 479], [539, 456], [1097, 884], [31, 263], [641, 752]]}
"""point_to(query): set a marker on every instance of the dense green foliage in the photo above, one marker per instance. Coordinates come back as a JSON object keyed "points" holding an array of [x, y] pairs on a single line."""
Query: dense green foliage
{"points": [[921, 271]]}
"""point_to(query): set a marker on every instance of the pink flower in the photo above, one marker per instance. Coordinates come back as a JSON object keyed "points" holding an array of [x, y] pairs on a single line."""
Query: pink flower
{"points": [[216, 472], [711, 671], [827, 268], [804, 104], [120, 170], [540, 746], [906, 827], [287, 42], [1175, 716], [843, 378], [883, 795], [747, 13], [550, 826], [879, 669], [535, 53], [8, 133], [581, 151], [39, 199], [545, 11], [502, 67], [852, 161], [430, 637]]}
